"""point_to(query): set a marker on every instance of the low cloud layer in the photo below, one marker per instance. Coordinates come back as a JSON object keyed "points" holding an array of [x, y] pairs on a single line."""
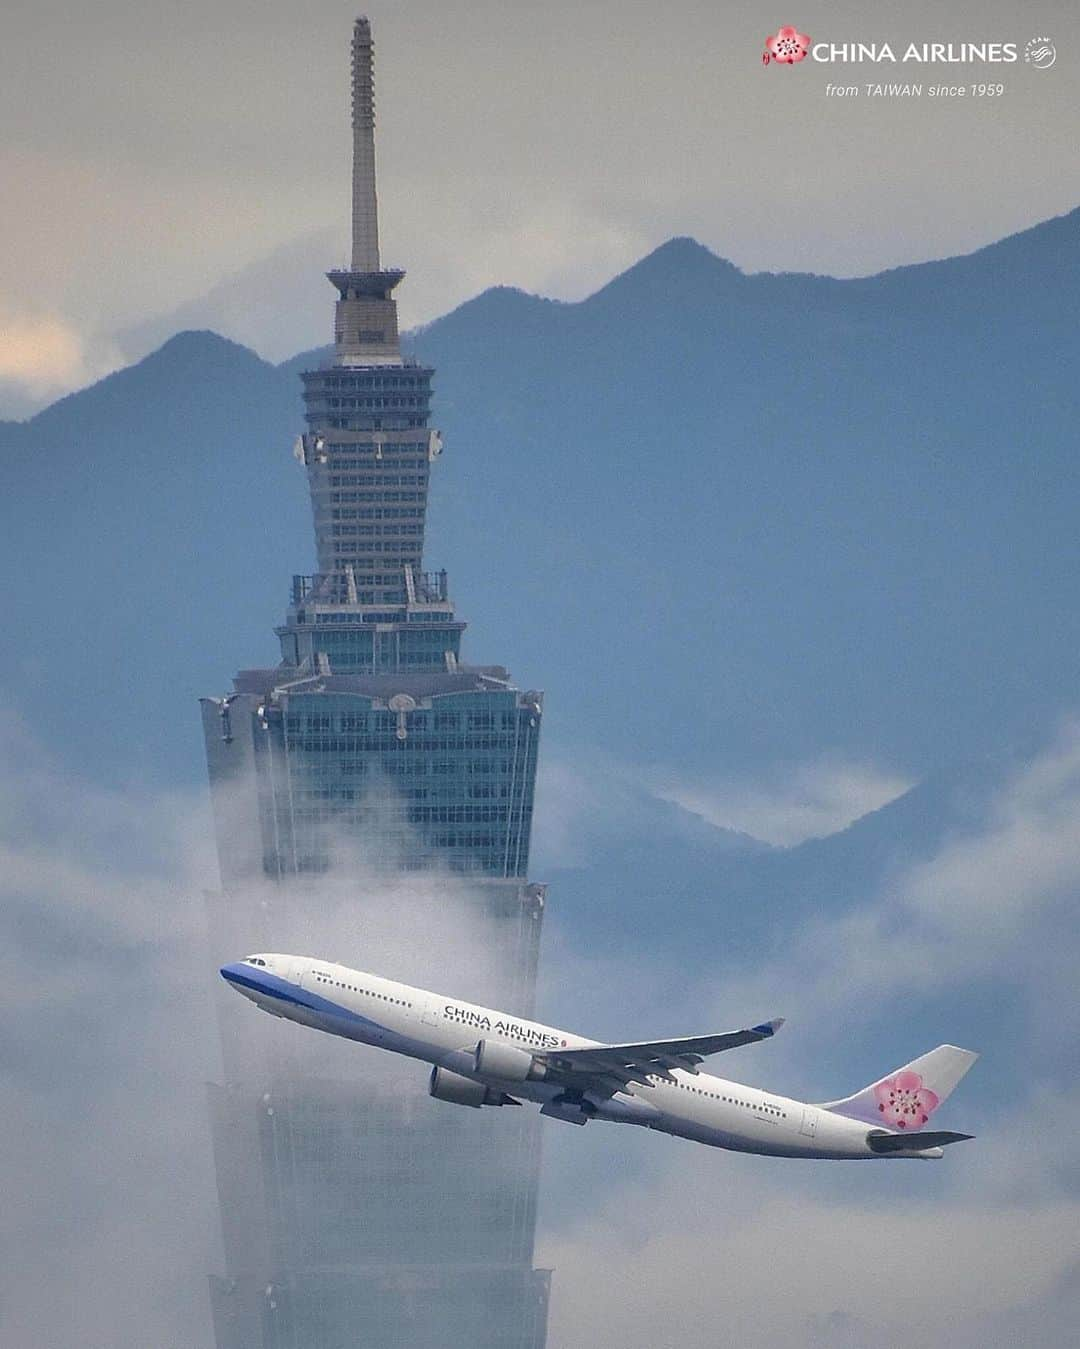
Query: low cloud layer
{"points": [[106, 1175], [687, 1246], [718, 1253], [583, 804], [110, 1210], [796, 802], [109, 968]]}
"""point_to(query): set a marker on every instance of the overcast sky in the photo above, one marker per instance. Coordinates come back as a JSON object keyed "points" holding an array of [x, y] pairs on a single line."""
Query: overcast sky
{"points": [[148, 152]]}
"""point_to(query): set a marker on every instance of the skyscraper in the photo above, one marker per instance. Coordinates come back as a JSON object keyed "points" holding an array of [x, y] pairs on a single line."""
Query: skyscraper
{"points": [[363, 789]]}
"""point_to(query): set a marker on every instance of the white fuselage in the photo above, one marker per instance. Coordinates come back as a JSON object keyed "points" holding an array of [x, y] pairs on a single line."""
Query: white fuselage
{"points": [[444, 1032]]}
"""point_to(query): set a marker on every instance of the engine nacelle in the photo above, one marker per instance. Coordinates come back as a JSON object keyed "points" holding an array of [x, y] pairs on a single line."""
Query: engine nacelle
{"points": [[493, 1058], [448, 1086]]}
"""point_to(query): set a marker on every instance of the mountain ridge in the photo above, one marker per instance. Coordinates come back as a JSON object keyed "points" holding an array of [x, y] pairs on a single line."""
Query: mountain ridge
{"points": [[682, 248], [824, 520]]}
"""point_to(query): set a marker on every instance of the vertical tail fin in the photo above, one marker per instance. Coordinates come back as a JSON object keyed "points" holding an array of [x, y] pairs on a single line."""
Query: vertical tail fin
{"points": [[906, 1098]]}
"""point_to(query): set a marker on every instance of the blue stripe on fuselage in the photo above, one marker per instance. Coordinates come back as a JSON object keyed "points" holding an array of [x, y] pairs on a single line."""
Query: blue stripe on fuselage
{"points": [[261, 981]]}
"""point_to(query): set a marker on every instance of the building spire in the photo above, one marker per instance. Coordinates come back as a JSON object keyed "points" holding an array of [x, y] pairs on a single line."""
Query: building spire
{"points": [[365, 213], [365, 320]]}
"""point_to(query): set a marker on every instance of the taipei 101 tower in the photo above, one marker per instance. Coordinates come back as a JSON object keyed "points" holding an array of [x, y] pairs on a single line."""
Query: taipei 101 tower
{"points": [[372, 797]]}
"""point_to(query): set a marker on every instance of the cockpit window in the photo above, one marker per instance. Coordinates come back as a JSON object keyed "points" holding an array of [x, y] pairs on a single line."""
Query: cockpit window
{"points": [[254, 960]]}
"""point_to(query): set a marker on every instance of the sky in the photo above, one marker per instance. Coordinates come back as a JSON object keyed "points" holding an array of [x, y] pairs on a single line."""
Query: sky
{"points": [[188, 165]]}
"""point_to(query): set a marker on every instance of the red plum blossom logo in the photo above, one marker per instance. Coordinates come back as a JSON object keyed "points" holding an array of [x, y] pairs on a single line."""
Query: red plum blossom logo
{"points": [[788, 46], [903, 1100]]}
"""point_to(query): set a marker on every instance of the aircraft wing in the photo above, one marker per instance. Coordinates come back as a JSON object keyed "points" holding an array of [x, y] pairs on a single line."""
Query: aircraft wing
{"points": [[636, 1062]]}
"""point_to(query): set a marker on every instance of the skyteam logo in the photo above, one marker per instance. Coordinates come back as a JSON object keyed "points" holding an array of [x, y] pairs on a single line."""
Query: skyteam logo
{"points": [[1041, 53]]}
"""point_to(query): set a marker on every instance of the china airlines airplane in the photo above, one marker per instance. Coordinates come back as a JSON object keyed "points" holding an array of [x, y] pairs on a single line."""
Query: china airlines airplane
{"points": [[482, 1057]]}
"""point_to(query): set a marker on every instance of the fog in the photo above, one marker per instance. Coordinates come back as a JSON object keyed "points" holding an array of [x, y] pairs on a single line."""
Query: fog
{"points": [[111, 1214], [977, 945]]}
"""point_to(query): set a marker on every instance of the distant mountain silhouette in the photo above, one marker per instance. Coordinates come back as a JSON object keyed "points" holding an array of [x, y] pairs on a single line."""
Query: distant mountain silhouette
{"points": [[723, 519], [147, 524], [249, 305], [733, 517]]}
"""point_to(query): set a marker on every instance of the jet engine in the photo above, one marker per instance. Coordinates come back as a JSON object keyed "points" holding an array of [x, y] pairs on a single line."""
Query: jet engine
{"points": [[493, 1058], [448, 1086]]}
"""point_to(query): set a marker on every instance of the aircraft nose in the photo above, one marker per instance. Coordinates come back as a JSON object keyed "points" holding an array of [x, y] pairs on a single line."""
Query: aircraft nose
{"points": [[232, 973]]}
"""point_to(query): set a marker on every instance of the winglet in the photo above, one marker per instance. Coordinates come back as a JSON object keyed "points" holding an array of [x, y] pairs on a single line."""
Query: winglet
{"points": [[768, 1028]]}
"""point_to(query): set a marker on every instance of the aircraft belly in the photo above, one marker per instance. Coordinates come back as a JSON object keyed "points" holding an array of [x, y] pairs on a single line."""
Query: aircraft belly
{"points": [[755, 1135]]}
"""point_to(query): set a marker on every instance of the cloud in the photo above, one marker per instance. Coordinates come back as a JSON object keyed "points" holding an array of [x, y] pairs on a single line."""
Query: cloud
{"points": [[687, 1240], [273, 305], [990, 884], [992, 906], [109, 970], [713, 1253], [108, 1186], [796, 802], [43, 355], [106, 1177], [583, 804], [659, 1242]]}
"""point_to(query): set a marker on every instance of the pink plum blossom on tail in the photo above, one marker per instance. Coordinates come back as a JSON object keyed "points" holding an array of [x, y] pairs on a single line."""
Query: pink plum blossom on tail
{"points": [[904, 1102]]}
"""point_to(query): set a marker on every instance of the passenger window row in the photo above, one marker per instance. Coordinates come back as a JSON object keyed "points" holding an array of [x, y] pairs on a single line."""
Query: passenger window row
{"points": [[728, 1100], [354, 988]]}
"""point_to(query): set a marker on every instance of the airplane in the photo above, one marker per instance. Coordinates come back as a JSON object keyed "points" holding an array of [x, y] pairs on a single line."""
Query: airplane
{"points": [[482, 1057]]}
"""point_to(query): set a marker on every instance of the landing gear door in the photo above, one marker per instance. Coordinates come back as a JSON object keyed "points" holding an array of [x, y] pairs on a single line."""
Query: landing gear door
{"points": [[808, 1127]]}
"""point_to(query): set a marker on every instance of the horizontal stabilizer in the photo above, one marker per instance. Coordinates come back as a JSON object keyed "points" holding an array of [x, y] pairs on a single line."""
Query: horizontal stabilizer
{"points": [[914, 1142]]}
